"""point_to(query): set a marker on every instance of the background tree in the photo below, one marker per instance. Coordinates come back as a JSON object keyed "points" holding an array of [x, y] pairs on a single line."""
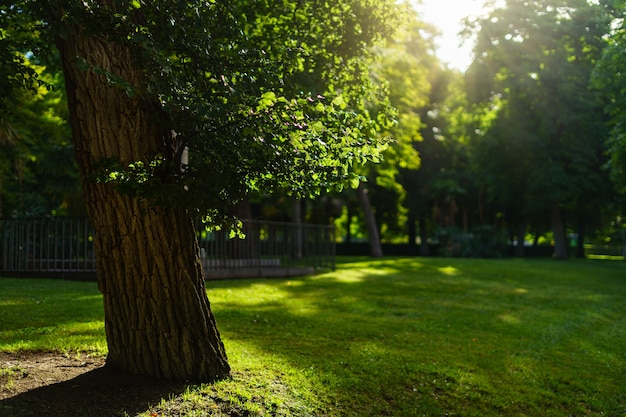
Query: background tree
{"points": [[34, 134], [406, 66], [421, 184], [402, 68], [537, 58], [608, 77]]}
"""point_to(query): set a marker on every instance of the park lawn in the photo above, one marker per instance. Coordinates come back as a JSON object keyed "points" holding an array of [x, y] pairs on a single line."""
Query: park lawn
{"points": [[397, 336]]}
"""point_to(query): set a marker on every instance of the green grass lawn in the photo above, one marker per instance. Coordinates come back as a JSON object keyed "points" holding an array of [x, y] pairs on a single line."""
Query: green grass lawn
{"points": [[398, 336]]}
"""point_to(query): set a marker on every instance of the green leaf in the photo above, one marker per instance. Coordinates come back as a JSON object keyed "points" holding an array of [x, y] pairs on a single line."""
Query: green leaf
{"points": [[339, 102]]}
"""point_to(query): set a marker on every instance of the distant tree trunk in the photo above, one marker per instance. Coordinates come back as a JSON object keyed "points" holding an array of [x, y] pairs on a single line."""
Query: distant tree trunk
{"points": [[424, 249], [481, 209], [558, 229], [536, 240], [157, 316], [521, 239], [580, 241], [373, 237], [349, 225], [465, 219], [411, 229]]}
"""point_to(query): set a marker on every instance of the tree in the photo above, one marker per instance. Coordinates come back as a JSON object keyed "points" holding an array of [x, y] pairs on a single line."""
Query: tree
{"points": [[607, 77], [37, 173], [536, 59], [399, 70], [402, 68], [145, 80], [436, 186]]}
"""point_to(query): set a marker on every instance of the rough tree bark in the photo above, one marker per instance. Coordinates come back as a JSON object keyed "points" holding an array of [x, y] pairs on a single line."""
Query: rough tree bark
{"points": [[157, 315]]}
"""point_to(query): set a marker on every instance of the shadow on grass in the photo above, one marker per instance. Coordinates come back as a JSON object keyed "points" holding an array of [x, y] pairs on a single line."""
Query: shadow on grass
{"points": [[407, 337], [50, 315], [412, 337], [100, 392]]}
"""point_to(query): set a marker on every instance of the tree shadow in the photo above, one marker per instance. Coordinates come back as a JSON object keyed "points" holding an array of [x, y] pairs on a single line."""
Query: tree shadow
{"points": [[100, 392], [400, 332]]}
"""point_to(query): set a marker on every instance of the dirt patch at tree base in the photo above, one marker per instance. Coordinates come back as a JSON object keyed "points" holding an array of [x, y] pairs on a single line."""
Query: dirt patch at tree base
{"points": [[57, 385], [21, 372]]}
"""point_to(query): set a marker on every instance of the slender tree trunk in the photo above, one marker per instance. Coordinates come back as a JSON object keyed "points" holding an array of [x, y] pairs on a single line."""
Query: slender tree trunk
{"points": [[481, 210], [373, 237], [465, 219], [411, 229], [521, 239], [349, 225], [558, 229], [580, 241], [424, 249], [157, 316]]}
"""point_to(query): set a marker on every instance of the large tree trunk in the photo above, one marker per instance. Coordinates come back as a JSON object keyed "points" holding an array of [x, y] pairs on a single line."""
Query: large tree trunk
{"points": [[373, 237], [157, 316], [558, 229]]}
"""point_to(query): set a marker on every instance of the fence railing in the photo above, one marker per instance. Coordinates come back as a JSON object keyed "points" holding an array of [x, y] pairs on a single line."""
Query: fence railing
{"points": [[64, 246], [268, 249], [46, 245]]}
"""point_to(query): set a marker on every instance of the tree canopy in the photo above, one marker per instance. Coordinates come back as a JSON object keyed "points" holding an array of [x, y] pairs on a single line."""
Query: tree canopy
{"points": [[535, 59], [292, 98], [264, 95]]}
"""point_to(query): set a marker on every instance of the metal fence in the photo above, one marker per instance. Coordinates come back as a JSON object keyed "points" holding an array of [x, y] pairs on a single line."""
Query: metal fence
{"points": [[46, 245], [268, 249], [64, 246]]}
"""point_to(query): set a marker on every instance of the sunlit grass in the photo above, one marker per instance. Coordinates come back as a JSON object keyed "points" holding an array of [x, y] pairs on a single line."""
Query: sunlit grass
{"points": [[606, 257], [436, 336], [402, 337], [51, 315]]}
